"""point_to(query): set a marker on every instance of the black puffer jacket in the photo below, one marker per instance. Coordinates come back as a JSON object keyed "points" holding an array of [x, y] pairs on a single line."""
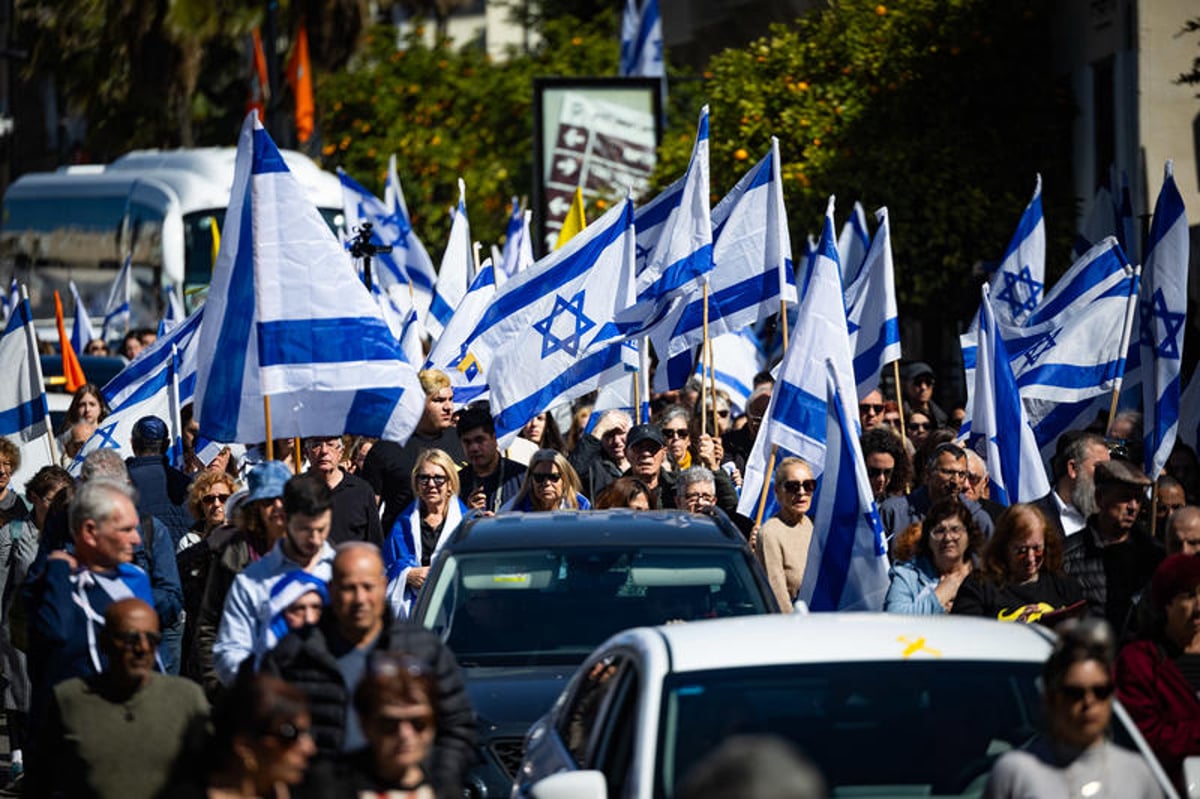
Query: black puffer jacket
{"points": [[303, 658]]}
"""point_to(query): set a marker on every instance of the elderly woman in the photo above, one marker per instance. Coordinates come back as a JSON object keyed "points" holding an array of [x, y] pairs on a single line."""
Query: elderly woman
{"points": [[1020, 577], [676, 425], [1074, 757], [550, 484], [1157, 678], [422, 527], [781, 545], [928, 584]]}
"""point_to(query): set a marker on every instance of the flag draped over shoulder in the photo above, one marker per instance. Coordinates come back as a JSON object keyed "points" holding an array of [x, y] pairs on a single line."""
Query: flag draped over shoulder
{"points": [[641, 40], [847, 556], [1163, 312], [457, 270], [999, 427], [871, 312], [287, 318], [548, 335], [1019, 281], [82, 331], [752, 272], [795, 421]]}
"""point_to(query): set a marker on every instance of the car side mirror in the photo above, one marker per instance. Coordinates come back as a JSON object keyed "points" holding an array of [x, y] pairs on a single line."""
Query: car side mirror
{"points": [[571, 785], [1191, 777]]}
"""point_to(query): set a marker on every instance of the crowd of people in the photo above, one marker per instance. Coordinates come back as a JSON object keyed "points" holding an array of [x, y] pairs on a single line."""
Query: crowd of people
{"points": [[239, 627]]}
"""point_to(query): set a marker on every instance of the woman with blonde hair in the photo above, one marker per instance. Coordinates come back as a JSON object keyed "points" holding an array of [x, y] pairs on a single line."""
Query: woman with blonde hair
{"points": [[422, 527], [550, 484]]}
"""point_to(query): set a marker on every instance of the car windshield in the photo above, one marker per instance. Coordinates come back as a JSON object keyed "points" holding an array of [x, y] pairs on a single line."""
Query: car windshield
{"points": [[873, 729], [554, 606]]}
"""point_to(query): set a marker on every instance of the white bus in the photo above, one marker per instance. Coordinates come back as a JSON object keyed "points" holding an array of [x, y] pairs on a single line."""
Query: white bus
{"points": [[78, 222]]}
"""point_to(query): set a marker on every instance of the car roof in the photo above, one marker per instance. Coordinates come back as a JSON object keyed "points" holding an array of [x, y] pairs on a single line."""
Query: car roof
{"points": [[749, 641], [615, 527]]}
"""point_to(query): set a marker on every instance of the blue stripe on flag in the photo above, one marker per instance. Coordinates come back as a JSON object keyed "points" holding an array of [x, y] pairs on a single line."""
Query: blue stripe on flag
{"points": [[441, 309], [295, 342], [516, 415], [651, 216], [20, 317], [1167, 407], [1064, 375], [23, 416], [868, 360], [843, 524], [371, 409], [267, 157], [729, 300], [681, 272], [799, 410]]}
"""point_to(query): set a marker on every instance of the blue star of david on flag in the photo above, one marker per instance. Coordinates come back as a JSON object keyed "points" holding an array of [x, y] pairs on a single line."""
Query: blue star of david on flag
{"points": [[1172, 324], [1043, 345], [551, 341], [1009, 293], [106, 437]]}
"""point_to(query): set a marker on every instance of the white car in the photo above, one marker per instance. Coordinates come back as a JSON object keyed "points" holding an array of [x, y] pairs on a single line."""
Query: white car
{"points": [[884, 705]]}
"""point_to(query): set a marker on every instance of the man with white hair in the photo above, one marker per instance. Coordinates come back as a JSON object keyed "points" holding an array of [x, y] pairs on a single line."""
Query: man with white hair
{"points": [[1073, 498], [599, 457]]}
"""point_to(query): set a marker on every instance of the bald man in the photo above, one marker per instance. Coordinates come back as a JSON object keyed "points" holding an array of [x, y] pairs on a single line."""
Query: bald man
{"points": [[1183, 531], [126, 732], [328, 661]]}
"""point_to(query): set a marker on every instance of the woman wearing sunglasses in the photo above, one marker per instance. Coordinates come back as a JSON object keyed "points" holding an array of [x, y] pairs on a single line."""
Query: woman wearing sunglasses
{"points": [[1020, 577], [1074, 757], [782, 543], [421, 528], [550, 484]]}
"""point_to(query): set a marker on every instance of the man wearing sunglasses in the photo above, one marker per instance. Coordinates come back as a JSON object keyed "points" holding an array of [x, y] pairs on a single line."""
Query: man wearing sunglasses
{"points": [[945, 476], [917, 380], [128, 731]]}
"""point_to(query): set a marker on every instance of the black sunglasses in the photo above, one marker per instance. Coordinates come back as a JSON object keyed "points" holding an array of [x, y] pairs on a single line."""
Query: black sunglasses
{"points": [[544, 477], [867, 407], [794, 486], [131, 638], [1076, 693], [289, 732]]}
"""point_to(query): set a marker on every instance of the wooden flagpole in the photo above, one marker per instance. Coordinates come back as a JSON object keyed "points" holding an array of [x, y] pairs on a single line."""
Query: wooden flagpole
{"points": [[267, 424], [762, 498], [783, 321], [296, 454]]}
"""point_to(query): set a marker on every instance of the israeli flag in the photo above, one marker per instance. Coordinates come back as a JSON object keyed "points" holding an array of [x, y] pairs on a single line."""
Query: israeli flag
{"points": [[871, 314], [450, 353], [175, 313], [1019, 281], [548, 335], [853, 244], [1163, 313], [622, 394], [737, 358], [397, 304], [9, 301], [457, 270], [287, 318], [116, 309], [796, 417], [752, 272], [682, 249], [1014, 464], [157, 383], [407, 249], [81, 327], [847, 556], [23, 412], [641, 40], [518, 248]]}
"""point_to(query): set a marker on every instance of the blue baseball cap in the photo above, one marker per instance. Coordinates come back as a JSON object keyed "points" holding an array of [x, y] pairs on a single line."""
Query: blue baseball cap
{"points": [[266, 480]]}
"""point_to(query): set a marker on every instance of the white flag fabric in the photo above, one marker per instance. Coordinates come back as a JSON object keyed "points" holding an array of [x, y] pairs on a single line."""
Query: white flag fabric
{"points": [[847, 557], [9, 301], [641, 40], [1019, 281], [81, 327], [288, 318], [752, 272], [853, 244], [175, 313], [1000, 431], [457, 270], [407, 249], [1163, 313], [871, 312], [737, 358], [116, 309], [449, 353], [548, 335], [795, 421], [24, 415]]}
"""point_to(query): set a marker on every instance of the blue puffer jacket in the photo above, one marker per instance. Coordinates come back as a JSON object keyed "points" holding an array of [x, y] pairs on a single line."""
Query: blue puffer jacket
{"points": [[162, 493]]}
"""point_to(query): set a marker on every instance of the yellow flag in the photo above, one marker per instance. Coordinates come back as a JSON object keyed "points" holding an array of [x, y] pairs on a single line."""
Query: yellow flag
{"points": [[574, 223]]}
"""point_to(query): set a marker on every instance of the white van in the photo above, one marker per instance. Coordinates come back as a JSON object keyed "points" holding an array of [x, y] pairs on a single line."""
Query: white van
{"points": [[78, 222]]}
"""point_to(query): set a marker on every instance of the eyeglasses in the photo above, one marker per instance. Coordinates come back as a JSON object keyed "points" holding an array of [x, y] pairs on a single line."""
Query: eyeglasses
{"points": [[952, 474], [918, 425], [1024, 549], [668, 433], [321, 443], [209, 499], [131, 638], [948, 531], [794, 486], [545, 477], [1076, 693], [869, 407], [876, 471], [693, 498], [391, 724], [724, 414], [289, 732], [438, 480]]}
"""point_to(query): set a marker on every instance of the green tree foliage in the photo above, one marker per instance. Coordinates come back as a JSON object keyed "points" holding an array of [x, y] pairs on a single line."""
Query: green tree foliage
{"points": [[450, 112], [942, 110]]}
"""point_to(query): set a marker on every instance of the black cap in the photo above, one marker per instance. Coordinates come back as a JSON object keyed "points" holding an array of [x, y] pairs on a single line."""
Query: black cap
{"points": [[915, 369], [644, 432]]}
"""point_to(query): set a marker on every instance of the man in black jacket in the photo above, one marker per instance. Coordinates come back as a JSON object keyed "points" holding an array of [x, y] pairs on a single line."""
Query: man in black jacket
{"points": [[328, 660]]}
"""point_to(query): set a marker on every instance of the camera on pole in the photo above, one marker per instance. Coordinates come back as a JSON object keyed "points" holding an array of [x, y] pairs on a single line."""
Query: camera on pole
{"points": [[362, 247]]}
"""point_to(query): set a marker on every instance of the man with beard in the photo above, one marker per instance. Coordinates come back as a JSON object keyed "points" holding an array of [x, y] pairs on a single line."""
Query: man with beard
{"points": [[1073, 498]]}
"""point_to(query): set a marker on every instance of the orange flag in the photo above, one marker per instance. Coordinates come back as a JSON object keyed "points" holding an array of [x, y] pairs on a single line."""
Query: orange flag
{"points": [[259, 84], [300, 79], [72, 371]]}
